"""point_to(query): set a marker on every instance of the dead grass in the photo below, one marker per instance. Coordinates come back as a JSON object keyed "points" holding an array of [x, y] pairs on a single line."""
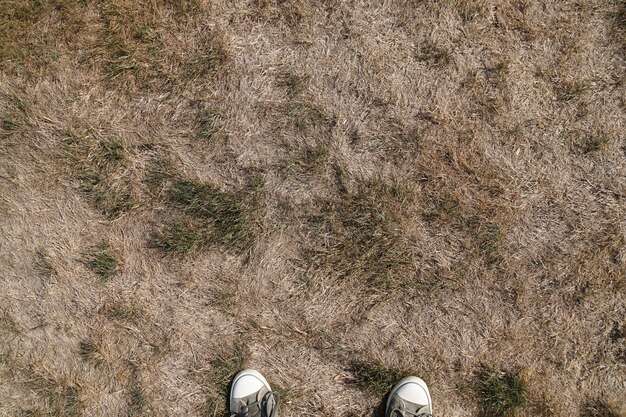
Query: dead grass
{"points": [[335, 194]]}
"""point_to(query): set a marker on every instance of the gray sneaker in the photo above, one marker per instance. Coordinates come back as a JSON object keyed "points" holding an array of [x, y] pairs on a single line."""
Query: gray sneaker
{"points": [[251, 396], [409, 398]]}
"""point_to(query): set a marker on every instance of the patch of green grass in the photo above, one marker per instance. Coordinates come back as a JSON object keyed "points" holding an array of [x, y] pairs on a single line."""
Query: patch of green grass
{"points": [[100, 168], [207, 217], [224, 368], [500, 392], [136, 400], [110, 196], [308, 160], [181, 237], [471, 10], [109, 153], [591, 143], [8, 125], [212, 55], [29, 45], [131, 48], [25, 46], [102, 261], [215, 406], [223, 298], [159, 171], [443, 208], [487, 238], [304, 115], [375, 378], [205, 201], [122, 311], [597, 408], [570, 90], [43, 265], [186, 8], [433, 54], [359, 236], [7, 324], [294, 84], [394, 140], [283, 395], [208, 124]]}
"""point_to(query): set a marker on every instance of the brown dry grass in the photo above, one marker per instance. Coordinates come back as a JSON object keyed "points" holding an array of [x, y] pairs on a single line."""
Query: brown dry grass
{"points": [[334, 193]]}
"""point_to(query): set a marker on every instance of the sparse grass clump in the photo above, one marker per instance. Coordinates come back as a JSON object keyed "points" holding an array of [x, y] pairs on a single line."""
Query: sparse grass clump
{"points": [[181, 237], [89, 351], [444, 207], [129, 48], [110, 197], [393, 140], [63, 398], [215, 407], [206, 216], [102, 261], [500, 392], [158, 173], [9, 125], [375, 378]]}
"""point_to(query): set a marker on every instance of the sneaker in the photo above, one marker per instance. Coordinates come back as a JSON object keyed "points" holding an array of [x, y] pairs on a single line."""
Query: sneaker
{"points": [[251, 396], [409, 398]]}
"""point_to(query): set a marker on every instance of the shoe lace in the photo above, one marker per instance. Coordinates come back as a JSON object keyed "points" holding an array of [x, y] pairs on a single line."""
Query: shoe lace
{"points": [[410, 413], [257, 408]]}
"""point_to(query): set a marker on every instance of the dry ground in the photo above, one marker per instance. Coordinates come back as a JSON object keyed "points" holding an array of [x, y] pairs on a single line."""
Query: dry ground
{"points": [[334, 193]]}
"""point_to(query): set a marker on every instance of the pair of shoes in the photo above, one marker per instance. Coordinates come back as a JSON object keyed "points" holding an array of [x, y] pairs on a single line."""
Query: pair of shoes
{"points": [[251, 396]]}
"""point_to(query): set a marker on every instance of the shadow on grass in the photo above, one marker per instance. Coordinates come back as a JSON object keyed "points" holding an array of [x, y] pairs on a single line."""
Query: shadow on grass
{"points": [[379, 410]]}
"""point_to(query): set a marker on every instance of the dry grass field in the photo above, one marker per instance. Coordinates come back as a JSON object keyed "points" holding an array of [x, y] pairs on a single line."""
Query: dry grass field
{"points": [[336, 193]]}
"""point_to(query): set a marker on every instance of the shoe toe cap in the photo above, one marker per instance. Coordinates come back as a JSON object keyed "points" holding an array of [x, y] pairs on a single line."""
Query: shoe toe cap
{"points": [[414, 390], [247, 383]]}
